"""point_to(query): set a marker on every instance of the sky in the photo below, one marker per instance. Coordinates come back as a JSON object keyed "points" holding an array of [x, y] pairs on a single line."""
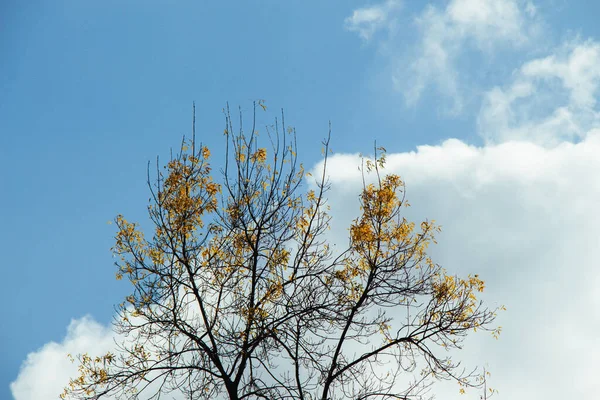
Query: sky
{"points": [[488, 110]]}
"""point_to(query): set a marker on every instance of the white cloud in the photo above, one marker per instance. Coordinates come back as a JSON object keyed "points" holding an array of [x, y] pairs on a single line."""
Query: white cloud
{"points": [[446, 35], [576, 65], [523, 217], [487, 21], [550, 99], [368, 20], [46, 372]]}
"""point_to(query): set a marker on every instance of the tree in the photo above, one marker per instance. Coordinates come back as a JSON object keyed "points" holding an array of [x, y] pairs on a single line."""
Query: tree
{"points": [[239, 295]]}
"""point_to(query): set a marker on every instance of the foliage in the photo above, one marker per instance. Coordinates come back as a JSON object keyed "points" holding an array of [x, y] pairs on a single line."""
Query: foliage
{"points": [[238, 294]]}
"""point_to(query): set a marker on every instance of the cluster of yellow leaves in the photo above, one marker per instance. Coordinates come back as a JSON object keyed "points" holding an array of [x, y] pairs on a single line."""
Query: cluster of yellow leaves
{"points": [[378, 225], [128, 240], [380, 233], [304, 221], [187, 193], [277, 257], [93, 372], [259, 156], [273, 291], [380, 236], [254, 313], [447, 288], [451, 290]]}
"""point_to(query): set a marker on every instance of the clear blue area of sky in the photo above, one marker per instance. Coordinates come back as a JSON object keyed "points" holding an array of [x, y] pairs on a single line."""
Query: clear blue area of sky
{"points": [[90, 91]]}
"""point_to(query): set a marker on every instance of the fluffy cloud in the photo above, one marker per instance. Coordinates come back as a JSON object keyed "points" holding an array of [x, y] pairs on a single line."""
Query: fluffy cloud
{"points": [[550, 99], [519, 214], [368, 20], [46, 372]]}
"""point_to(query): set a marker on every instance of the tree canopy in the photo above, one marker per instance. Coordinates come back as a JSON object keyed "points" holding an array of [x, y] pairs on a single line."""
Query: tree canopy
{"points": [[237, 293]]}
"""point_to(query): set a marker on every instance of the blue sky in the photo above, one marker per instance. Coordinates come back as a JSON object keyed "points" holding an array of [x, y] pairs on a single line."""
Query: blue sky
{"points": [[92, 91]]}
